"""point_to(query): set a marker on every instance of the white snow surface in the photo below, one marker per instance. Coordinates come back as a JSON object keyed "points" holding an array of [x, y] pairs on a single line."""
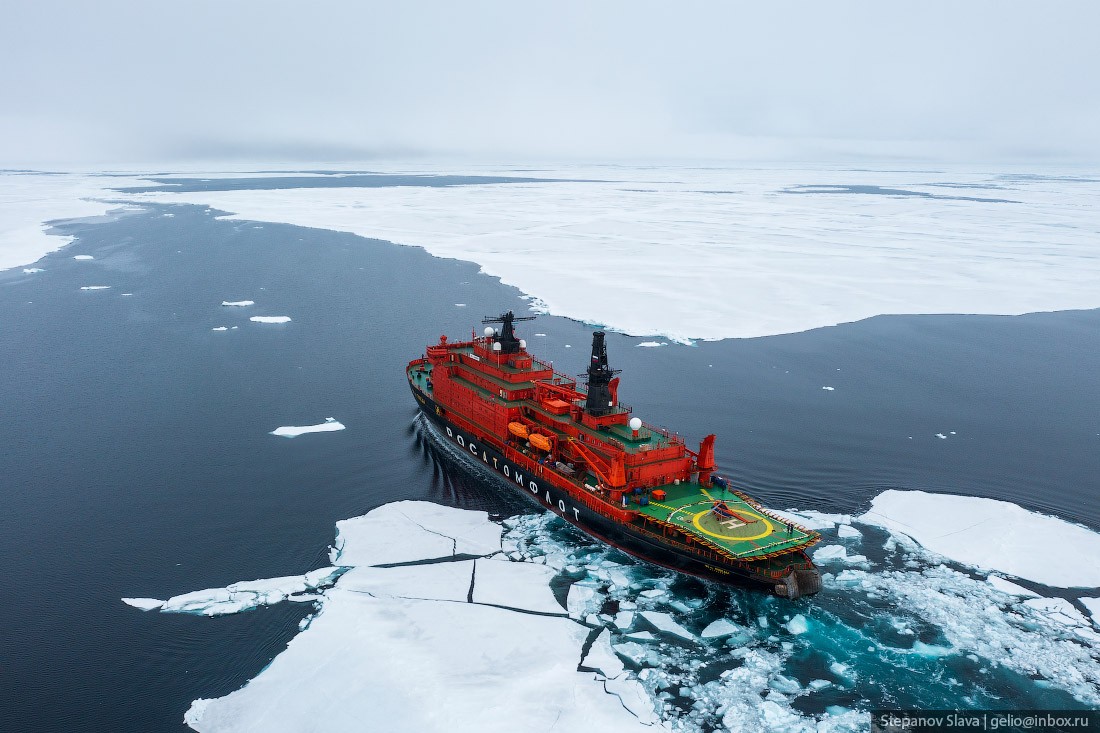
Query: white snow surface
{"points": [[270, 319], [1093, 605], [238, 303], [991, 534], [1012, 589], [407, 531], [837, 554], [516, 585], [665, 624], [240, 596], [602, 658], [402, 648], [293, 431], [83, 257], [30, 199], [733, 252]]}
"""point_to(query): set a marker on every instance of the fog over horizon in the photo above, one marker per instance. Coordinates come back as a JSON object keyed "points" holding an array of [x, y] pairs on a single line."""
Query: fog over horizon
{"points": [[119, 83]]}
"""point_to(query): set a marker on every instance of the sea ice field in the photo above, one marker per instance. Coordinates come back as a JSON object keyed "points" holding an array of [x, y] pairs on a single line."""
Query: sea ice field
{"points": [[524, 625], [903, 360]]}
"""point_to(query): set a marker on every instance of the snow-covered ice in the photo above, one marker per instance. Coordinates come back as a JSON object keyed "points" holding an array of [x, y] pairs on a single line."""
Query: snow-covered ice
{"points": [[848, 532], [238, 303], [241, 596], [652, 344], [83, 257], [270, 319], [836, 554], [516, 585], [1007, 586], [667, 625], [32, 270], [798, 625], [402, 648], [293, 431], [602, 658], [220, 328], [761, 257], [408, 531], [992, 534], [720, 629], [1093, 605], [95, 287]]}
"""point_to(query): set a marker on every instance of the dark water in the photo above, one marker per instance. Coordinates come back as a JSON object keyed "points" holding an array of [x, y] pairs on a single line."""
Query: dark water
{"points": [[136, 458]]}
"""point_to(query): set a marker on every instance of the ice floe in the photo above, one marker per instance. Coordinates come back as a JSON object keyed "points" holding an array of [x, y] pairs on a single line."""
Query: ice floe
{"points": [[829, 389], [992, 534], [270, 319], [798, 625], [719, 264], [436, 601], [220, 328], [1007, 586], [293, 431], [238, 303], [602, 658], [83, 257], [653, 344], [522, 586], [836, 554], [848, 532], [95, 287], [409, 531], [411, 647], [720, 628], [32, 270], [1093, 605], [241, 596], [666, 625]]}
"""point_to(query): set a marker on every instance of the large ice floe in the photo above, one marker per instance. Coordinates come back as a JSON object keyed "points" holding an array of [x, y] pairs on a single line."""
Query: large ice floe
{"points": [[734, 252], [410, 635], [29, 199], [435, 618], [994, 535], [293, 431]]}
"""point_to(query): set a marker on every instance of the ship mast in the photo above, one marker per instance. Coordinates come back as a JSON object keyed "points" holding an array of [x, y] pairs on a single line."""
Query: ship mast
{"points": [[600, 401], [509, 344]]}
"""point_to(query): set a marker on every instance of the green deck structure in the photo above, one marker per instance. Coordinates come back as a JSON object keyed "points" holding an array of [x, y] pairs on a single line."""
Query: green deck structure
{"points": [[754, 533]]}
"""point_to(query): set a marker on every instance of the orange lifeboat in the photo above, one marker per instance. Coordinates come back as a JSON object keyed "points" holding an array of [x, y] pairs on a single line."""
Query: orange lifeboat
{"points": [[541, 442], [518, 429]]}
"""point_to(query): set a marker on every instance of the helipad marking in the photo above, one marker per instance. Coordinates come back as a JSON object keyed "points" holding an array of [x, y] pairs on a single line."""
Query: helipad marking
{"points": [[768, 527]]}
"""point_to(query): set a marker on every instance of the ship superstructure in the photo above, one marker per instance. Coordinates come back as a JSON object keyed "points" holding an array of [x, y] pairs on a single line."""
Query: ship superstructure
{"points": [[581, 454]]}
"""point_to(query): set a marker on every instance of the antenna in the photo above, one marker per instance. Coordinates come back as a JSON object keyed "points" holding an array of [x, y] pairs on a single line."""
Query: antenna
{"points": [[509, 344]]}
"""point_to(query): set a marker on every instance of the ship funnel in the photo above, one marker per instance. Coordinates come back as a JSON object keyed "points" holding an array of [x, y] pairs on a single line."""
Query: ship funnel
{"points": [[600, 401]]}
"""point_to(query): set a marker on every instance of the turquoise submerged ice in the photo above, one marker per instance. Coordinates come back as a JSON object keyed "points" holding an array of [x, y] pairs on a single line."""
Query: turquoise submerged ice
{"points": [[518, 626]]}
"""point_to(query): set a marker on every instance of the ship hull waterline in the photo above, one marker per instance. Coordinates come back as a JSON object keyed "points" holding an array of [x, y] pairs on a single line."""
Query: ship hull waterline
{"points": [[550, 497]]}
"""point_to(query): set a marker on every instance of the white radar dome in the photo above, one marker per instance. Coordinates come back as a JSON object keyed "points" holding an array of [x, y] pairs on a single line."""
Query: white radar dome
{"points": [[496, 346], [523, 343], [489, 331], [635, 424]]}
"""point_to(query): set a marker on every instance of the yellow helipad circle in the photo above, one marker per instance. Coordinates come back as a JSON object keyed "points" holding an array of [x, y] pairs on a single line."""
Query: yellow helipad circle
{"points": [[768, 527]]}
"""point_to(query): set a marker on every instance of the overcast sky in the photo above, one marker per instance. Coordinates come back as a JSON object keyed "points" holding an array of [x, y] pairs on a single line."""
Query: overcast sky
{"points": [[118, 82]]}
